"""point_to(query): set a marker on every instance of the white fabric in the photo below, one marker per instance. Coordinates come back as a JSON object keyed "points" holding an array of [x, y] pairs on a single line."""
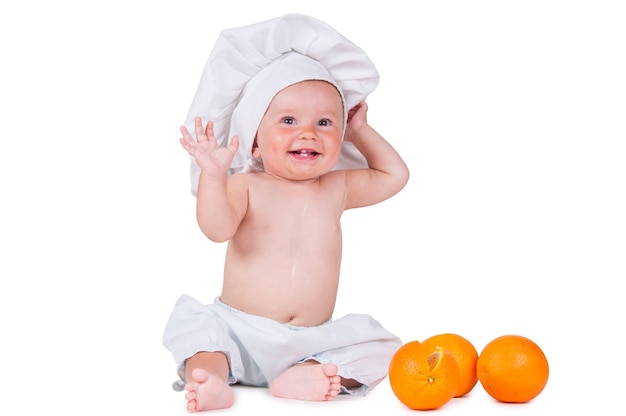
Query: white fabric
{"points": [[249, 65], [260, 349]]}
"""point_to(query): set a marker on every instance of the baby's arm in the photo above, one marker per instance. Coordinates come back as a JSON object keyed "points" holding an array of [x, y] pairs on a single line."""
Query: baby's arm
{"points": [[219, 206], [386, 174]]}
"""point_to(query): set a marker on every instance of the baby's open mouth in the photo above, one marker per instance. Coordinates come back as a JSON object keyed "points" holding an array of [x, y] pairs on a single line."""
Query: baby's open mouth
{"points": [[304, 152]]}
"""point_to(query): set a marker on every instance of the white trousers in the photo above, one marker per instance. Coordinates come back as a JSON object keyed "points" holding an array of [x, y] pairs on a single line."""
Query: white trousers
{"points": [[260, 349]]}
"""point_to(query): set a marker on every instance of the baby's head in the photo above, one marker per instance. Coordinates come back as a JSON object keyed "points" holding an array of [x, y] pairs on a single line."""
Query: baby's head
{"points": [[291, 71], [301, 132], [250, 65]]}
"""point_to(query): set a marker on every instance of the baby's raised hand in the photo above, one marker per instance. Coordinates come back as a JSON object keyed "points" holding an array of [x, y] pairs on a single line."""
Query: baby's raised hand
{"points": [[209, 155], [357, 117]]}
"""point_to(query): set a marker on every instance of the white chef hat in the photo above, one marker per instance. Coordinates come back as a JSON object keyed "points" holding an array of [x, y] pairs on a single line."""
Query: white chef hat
{"points": [[249, 65]]}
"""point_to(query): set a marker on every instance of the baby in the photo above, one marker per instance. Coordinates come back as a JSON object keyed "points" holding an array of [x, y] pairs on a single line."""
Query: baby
{"points": [[272, 324]]}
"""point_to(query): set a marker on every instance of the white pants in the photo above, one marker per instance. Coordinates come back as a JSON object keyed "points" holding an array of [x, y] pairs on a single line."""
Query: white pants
{"points": [[260, 349]]}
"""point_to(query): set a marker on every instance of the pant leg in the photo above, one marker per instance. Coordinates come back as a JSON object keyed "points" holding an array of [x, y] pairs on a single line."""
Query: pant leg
{"points": [[194, 327], [367, 360]]}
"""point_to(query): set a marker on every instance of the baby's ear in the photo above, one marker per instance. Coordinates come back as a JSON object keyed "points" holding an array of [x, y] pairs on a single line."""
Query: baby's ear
{"points": [[256, 153]]}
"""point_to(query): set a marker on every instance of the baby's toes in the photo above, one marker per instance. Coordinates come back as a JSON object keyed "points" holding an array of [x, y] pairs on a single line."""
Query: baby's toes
{"points": [[191, 406], [191, 395]]}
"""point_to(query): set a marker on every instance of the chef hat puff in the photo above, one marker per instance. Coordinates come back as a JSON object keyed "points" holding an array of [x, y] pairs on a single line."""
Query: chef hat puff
{"points": [[249, 65]]}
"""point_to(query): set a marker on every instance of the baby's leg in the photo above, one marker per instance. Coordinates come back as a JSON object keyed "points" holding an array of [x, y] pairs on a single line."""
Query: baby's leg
{"points": [[307, 381], [207, 382]]}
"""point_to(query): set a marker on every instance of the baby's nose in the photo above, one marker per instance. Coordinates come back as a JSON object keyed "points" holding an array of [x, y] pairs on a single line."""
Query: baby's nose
{"points": [[308, 132]]}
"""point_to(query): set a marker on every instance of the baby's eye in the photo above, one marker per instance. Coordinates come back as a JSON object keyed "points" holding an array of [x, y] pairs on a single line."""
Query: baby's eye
{"points": [[288, 120], [324, 122]]}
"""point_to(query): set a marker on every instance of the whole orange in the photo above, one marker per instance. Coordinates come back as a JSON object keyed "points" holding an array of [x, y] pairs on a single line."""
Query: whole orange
{"points": [[465, 355], [512, 369], [423, 377]]}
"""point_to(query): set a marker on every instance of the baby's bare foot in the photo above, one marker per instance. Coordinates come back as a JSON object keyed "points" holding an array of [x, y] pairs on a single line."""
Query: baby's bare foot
{"points": [[207, 392], [308, 381]]}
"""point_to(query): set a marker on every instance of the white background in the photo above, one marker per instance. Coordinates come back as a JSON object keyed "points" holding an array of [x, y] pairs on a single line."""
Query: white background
{"points": [[510, 115]]}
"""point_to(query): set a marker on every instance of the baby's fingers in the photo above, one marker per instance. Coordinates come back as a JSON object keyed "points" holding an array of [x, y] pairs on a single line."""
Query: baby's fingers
{"points": [[186, 145], [209, 130], [187, 140], [234, 144], [199, 130]]}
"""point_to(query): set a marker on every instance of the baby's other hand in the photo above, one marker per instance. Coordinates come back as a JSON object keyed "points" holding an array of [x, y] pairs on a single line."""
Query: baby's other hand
{"points": [[357, 117], [213, 159]]}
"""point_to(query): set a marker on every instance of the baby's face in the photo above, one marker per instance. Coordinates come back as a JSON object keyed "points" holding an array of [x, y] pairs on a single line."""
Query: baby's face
{"points": [[301, 133]]}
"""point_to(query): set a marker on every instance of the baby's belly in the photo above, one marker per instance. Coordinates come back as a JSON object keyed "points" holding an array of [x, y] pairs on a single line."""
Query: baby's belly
{"points": [[302, 308]]}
